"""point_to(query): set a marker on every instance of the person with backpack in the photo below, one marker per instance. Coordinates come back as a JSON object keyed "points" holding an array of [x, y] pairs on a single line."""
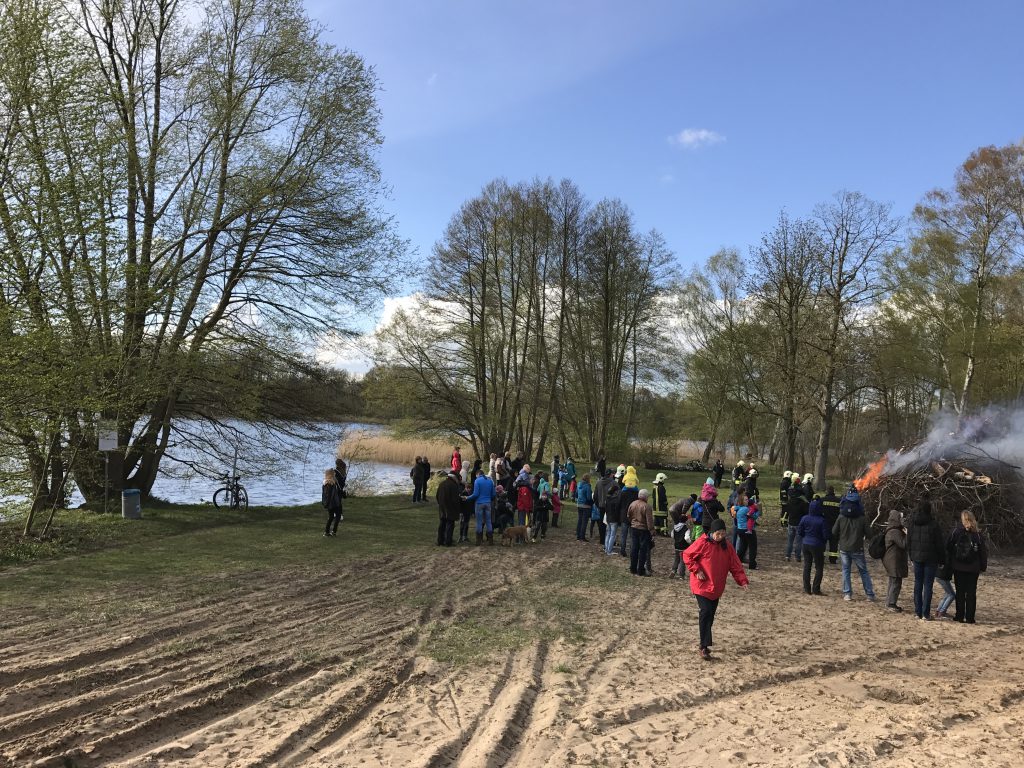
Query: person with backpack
{"points": [[813, 532], [926, 547], [850, 529], [968, 555], [330, 497], [681, 538], [894, 559]]}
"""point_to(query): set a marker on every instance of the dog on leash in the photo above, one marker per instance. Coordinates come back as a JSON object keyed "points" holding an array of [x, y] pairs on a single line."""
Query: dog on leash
{"points": [[514, 532]]}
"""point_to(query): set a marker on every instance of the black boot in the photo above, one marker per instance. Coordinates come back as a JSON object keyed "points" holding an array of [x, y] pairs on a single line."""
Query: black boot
{"points": [[479, 538], [490, 538]]}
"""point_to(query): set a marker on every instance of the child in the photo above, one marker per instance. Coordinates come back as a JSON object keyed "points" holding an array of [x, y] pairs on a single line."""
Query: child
{"points": [[503, 513], [330, 497], [679, 541], [710, 560], [540, 516], [556, 507]]}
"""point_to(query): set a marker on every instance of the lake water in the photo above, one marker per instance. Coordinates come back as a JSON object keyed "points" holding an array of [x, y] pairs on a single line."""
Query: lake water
{"points": [[275, 470]]}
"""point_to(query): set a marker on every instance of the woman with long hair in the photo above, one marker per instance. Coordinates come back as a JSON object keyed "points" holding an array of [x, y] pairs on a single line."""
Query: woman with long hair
{"points": [[967, 551]]}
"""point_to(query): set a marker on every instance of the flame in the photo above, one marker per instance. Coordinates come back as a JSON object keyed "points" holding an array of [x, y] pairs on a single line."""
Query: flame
{"points": [[871, 475]]}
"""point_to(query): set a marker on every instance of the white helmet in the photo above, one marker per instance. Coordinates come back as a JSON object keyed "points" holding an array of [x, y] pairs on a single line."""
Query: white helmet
{"points": [[661, 477], [787, 474], [808, 477]]}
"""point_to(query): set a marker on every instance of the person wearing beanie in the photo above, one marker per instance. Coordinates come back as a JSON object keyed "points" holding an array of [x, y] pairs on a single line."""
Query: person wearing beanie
{"points": [[640, 518], [710, 559], [850, 528]]}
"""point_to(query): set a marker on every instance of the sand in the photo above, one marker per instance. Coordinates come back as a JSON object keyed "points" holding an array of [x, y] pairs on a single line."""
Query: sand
{"points": [[333, 668]]}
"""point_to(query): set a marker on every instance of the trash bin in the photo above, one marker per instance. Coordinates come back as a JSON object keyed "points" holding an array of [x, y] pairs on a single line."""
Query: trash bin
{"points": [[131, 504]]}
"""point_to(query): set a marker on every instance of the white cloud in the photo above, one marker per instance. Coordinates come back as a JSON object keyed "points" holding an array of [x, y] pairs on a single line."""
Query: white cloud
{"points": [[667, 178], [695, 138], [432, 80]]}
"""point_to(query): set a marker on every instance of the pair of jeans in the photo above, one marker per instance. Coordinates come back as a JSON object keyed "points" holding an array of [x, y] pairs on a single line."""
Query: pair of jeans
{"points": [[609, 541], [464, 525], [966, 595], [678, 566], [483, 517], [638, 553], [706, 618], [815, 555], [848, 558], [582, 516], [417, 494], [924, 578], [748, 546], [794, 543], [895, 585], [521, 516], [445, 529], [735, 536], [947, 599], [624, 527]]}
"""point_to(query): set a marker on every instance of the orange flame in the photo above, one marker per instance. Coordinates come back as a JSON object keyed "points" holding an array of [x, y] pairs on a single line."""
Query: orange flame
{"points": [[872, 475]]}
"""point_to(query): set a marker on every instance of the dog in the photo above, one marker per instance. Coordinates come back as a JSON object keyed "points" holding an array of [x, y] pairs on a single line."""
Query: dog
{"points": [[514, 532]]}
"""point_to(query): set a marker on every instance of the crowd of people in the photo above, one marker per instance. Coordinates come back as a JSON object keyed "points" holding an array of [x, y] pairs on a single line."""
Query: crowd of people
{"points": [[625, 521]]}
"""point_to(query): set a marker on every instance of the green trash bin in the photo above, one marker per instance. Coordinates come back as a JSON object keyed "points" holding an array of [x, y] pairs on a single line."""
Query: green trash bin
{"points": [[131, 504]]}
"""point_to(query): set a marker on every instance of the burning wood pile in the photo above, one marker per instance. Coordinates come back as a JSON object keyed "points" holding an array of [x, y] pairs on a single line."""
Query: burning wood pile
{"points": [[963, 477]]}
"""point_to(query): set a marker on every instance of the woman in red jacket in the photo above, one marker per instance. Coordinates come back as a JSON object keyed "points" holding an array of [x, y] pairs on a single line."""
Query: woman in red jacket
{"points": [[710, 560]]}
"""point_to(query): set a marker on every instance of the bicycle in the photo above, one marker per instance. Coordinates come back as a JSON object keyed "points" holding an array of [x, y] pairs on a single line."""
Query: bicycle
{"points": [[232, 494]]}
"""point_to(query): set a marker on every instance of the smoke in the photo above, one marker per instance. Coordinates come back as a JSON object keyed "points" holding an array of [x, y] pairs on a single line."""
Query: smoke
{"points": [[994, 434]]}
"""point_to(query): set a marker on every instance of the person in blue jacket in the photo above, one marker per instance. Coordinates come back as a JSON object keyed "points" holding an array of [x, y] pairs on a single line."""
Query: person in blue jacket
{"points": [[483, 497], [584, 502], [813, 531]]}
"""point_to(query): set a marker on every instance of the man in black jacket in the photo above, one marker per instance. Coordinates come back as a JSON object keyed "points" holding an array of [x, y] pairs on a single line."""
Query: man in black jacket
{"points": [[830, 503], [449, 508]]}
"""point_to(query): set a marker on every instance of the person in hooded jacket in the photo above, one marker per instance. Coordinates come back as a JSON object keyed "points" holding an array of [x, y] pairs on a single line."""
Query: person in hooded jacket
{"points": [[895, 558], [926, 547], [968, 553], [850, 529], [613, 513], [710, 559], [627, 495], [813, 532]]}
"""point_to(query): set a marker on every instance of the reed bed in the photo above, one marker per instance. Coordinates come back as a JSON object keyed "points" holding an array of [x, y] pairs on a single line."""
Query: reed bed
{"points": [[361, 446]]}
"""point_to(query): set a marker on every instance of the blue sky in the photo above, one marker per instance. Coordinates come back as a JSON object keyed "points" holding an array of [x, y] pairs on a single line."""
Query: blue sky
{"points": [[786, 102]]}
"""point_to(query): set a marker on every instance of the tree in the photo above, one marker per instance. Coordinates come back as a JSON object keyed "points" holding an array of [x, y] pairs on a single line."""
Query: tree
{"points": [[174, 189], [857, 234]]}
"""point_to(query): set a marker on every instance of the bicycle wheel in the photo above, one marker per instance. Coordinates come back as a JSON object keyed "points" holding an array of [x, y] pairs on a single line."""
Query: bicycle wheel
{"points": [[221, 497], [242, 501]]}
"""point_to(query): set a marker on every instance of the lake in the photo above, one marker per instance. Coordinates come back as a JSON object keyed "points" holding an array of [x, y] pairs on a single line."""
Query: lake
{"points": [[275, 470]]}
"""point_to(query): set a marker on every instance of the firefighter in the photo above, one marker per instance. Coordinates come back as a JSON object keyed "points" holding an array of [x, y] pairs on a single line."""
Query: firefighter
{"points": [[739, 473], [659, 502], [809, 487], [830, 502], [784, 497]]}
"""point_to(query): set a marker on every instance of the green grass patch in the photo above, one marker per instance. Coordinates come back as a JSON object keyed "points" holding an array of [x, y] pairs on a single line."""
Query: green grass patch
{"points": [[197, 550]]}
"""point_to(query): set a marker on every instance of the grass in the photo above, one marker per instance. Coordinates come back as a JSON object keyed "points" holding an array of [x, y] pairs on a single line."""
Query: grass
{"points": [[195, 550]]}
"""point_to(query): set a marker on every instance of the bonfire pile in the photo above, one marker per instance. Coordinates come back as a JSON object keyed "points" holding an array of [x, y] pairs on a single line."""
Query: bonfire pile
{"points": [[963, 477]]}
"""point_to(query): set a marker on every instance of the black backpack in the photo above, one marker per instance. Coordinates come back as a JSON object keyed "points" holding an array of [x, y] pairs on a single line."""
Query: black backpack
{"points": [[965, 550], [876, 548]]}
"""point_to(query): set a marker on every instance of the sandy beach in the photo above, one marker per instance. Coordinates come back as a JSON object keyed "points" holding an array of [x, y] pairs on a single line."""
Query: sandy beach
{"points": [[347, 667]]}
